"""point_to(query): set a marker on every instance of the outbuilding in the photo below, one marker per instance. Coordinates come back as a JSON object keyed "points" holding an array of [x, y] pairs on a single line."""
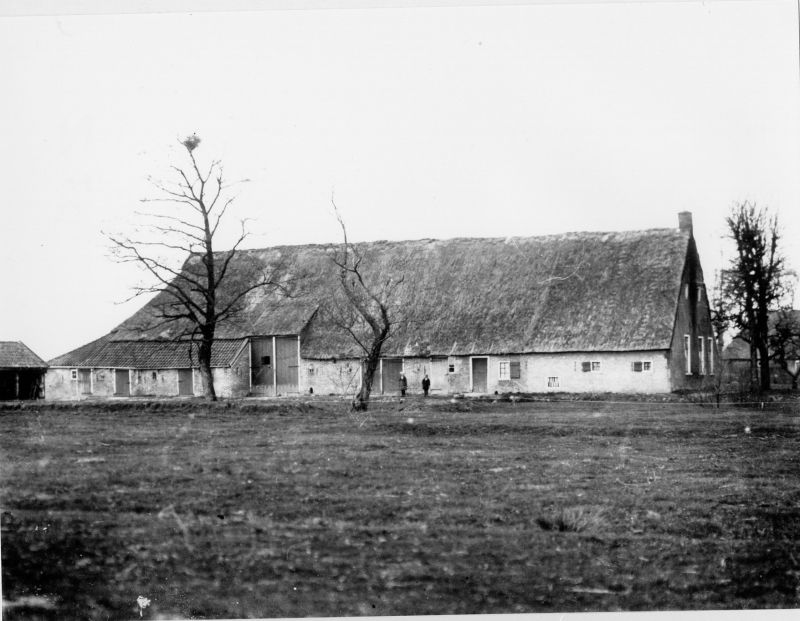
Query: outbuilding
{"points": [[22, 372]]}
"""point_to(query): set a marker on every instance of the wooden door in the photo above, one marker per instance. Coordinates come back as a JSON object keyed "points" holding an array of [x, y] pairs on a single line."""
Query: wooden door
{"points": [[185, 382], [390, 380], [261, 370], [480, 371], [84, 381], [122, 380], [287, 364]]}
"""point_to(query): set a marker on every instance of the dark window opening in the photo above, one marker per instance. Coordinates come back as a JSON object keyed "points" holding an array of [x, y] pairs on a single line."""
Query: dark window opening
{"points": [[265, 361], [515, 371]]}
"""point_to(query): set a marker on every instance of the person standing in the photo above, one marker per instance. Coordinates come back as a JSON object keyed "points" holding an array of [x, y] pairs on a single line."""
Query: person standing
{"points": [[403, 385], [426, 384]]}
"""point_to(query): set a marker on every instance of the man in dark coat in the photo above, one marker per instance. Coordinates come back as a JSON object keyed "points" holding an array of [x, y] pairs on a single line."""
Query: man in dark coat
{"points": [[403, 385], [426, 384]]}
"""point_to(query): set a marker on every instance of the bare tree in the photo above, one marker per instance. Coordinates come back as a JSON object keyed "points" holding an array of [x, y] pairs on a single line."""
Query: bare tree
{"points": [[754, 283], [369, 311], [784, 340], [196, 298]]}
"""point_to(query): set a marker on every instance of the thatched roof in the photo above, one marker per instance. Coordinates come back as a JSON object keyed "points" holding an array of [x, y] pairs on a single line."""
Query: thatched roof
{"points": [[17, 355], [570, 292], [108, 353]]}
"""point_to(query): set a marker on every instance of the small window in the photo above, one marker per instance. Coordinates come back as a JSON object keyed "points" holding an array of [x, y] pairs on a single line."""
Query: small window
{"points": [[552, 382], [451, 368], [266, 360], [595, 366], [636, 367], [311, 370], [505, 372], [155, 375], [640, 366], [515, 371], [586, 367], [73, 374], [646, 365]]}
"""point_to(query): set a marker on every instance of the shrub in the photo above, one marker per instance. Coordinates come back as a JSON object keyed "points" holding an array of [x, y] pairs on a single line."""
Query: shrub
{"points": [[572, 519]]}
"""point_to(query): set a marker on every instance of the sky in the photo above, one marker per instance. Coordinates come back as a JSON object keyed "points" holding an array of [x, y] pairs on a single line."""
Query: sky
{"points": [[424, 122]]}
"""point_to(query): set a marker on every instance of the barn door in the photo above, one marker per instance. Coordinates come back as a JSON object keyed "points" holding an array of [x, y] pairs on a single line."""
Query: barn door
{"points": [[122, 381], [287, 364], [390, 376], [480, 369], [185, 382], [261, 369]]}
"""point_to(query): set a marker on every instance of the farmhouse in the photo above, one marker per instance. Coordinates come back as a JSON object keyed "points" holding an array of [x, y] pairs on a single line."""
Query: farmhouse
{"points": [[577, 312], [21, 372]]}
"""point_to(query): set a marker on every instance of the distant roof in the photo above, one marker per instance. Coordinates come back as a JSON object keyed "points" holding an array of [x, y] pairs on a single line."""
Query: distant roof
{"points": [[572, 292], [739, 349], [17, 355], [106, 353]]}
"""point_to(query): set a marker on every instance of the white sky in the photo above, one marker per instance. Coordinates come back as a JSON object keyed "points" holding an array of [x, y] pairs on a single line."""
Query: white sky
{"points": [[425, 122]]}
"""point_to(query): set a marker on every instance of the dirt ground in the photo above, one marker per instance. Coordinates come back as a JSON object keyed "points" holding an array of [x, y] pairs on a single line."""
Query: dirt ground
{"points": [[304, 509]]}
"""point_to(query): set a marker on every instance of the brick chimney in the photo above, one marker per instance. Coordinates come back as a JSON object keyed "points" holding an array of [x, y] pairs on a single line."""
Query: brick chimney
{"points": [[685, 222]]}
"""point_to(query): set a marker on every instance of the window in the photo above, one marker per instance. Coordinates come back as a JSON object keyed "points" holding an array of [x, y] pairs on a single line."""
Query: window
{"points": [[587, 367], [595, 366], [552, 382], [686, 291], [687, 353], [265, 361], [505, 371], [155, 375], [710, 356], [73, 374], [451, 368], [641, 366], [515, 370], [701, 354]]}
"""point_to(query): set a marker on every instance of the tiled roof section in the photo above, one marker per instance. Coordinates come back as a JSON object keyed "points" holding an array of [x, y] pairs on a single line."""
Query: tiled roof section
{"points": [[572, 292], [106, 353], [17, 355]]}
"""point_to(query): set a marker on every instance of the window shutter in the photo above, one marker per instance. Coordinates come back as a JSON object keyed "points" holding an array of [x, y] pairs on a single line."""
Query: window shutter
{"points": [[515, 370], [586, 367]]}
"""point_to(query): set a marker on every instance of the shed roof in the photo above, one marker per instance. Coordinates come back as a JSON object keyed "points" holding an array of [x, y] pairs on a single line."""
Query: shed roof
{"points": [[17, 355], [604, 291]]}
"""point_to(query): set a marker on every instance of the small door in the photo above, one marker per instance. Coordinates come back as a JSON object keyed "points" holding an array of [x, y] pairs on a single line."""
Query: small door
{"points": [[390, 380], [480, 367], [123, 382], [85, 381], [185, 382]]}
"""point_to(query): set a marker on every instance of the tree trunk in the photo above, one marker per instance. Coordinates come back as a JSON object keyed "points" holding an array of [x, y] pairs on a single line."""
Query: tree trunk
{"points": [[766, 380], [361, 402], [204, 358]]}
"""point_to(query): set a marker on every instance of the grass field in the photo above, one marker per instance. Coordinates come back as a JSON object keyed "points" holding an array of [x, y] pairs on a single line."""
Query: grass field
{"points": [[303, 509]]}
